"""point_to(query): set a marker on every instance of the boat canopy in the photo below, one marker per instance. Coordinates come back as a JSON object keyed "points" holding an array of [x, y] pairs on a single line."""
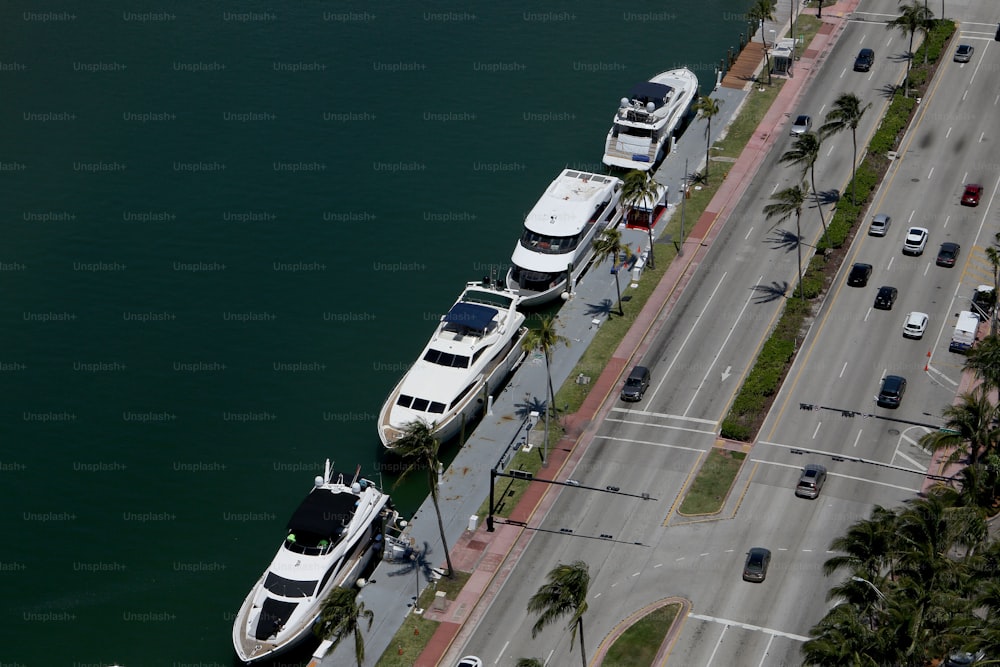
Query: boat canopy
{"points": [[471, 316], [323, 513], [647, 92]]}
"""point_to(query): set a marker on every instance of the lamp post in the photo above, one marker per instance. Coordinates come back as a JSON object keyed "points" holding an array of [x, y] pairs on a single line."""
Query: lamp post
{"points": [[879, 593], [684, 194], [416, 569]]}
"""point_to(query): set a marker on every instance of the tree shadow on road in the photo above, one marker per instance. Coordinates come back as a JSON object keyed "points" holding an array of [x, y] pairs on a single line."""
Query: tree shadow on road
{"points": [[768, 293]]}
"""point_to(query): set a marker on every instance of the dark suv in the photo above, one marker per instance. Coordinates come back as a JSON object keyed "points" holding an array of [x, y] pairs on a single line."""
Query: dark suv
{"points": [[891, 394], [636, 384], [864, 61]]}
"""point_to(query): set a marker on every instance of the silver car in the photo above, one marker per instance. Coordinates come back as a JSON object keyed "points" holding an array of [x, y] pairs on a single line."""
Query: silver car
{"points": [[963, 53], [801, 125], [880, 225], [811, 482]]}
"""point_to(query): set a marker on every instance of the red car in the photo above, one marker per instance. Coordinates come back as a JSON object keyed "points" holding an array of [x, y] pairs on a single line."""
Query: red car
{"points": [[973, 191]]}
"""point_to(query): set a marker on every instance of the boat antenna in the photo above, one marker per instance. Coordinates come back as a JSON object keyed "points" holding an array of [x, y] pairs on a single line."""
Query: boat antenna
{"points": [[356, 474]]}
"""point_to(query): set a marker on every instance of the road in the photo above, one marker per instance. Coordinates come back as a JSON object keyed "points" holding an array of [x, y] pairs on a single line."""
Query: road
{"points": [[642, 551]]}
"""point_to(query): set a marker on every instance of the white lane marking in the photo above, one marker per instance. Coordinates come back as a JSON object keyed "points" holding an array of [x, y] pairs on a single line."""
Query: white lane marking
{"points": [[910, 219], [549, 657], [857, 439], [947, 218], [766, 649], [746, 626], [891, 260], [722, 347], [843, 369], [749, 232], [829, 151], [912, 462], [677, 356], [930, 173], [867, 314], [502, 651], [671, 428], [816, 432], [927, 268], [948, 133], [664, 415], [647, 442], [717, 645]]}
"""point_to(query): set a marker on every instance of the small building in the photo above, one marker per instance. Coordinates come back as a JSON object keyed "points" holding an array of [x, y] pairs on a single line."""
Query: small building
{"points": [[782, 56]]}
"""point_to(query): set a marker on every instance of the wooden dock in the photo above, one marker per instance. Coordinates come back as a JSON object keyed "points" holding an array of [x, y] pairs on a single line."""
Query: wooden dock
{"points": [[742, 71]]}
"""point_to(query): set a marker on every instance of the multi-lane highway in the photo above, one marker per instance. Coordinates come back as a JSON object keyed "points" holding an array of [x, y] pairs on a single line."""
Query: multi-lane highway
{"points": [[703, 351]]}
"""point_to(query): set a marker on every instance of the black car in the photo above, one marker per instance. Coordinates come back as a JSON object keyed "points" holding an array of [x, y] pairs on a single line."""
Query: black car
{"points": [[864, 61], [891, 394], [886, 297], [755, 568], [948, 254], [859, 275]]}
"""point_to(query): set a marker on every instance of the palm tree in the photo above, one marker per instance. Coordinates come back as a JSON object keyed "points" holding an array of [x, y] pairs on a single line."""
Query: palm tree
{"points": [[640, 187], [805, 152], [760, 11], [545, 338], [788, 202], [984, 361], [869, 546], [419, 446], [993, 257], [914, 17], [609, 244], [707, 107], [565, 593], [846, 113], [339, 618], [969, 427]]}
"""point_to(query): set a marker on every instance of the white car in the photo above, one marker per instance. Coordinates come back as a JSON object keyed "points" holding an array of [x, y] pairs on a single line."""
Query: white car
{"points": [[915, 325], [915, 241], [470, 661]]}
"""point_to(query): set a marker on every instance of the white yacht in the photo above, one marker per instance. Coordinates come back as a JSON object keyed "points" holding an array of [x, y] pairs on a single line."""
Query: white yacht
{"points": [[332, 536], [647, 120], [474, 348], [557, 235]]}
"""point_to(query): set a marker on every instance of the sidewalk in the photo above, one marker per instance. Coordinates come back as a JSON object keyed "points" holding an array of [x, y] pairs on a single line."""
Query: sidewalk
{"points": [[491, 556]]}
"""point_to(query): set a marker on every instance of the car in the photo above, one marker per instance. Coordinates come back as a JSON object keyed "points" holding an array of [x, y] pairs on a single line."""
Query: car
{"points": [[470, 661], [859, 275], [864, 61], [755, 569], [801, 125], [948, 254], [636, 384], [891, 393], [915, 241], [886, 297], [880, 225], [964, 658], [915, 325], [811, 481], [963, 53], [973, 191]]}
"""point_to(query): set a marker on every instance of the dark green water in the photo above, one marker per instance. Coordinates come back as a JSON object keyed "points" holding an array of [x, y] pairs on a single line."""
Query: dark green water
{"points": [[226, 234]]}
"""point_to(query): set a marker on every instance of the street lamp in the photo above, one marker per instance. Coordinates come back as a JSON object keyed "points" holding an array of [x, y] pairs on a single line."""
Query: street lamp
{"points": [[874, 587]]}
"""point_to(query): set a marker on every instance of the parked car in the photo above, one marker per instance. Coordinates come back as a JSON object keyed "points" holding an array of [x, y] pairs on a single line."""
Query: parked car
{"points": [[755, 569], [859, 275], [963, 53], [636, 384], [891, 393], [973, 191], [801, 125], [880, 225], [811, 482], [948, 254], [886, 297], [915, 241], [864, 61], [915, 325]]}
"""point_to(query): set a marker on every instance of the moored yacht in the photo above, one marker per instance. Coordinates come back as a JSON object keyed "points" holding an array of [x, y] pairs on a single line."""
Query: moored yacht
{"points": [[474, 348], [649, 118], [557, 234], [332, 537]]}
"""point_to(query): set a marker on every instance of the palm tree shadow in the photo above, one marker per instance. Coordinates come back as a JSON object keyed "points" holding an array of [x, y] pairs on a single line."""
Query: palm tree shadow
{"points": [[416, 560], [783, 238], [769, 293], [888, 90], [530, 404], [602, 308], [827, 197]]}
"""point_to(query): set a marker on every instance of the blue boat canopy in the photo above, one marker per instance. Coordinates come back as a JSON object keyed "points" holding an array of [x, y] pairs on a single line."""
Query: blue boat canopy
{"points": [[471, 316], [647, 91]]}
